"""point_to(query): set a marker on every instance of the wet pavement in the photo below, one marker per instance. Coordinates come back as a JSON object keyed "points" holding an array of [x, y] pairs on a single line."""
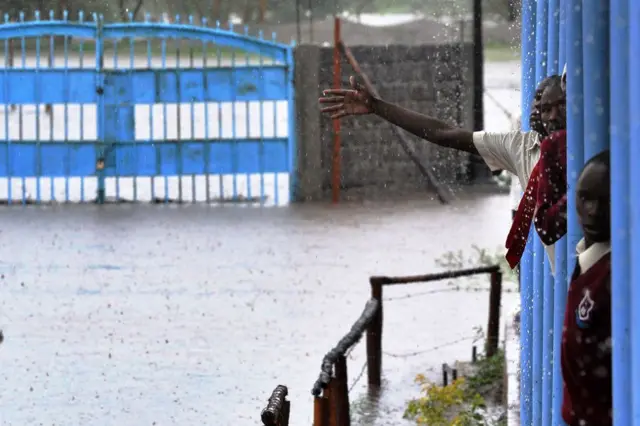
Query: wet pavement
{"points": [[142, 314]]}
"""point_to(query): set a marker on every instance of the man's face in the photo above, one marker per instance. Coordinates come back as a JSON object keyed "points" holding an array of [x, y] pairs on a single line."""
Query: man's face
{"points": [[553, 109], [593, 203], [535, 123]]}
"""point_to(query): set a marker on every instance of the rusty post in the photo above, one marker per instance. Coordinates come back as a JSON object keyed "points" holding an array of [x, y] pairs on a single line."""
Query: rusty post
{"points": [[337, 79], [341, 392], [318, 411], [374, 337], [321, 409], [493, 328], [330, 408], [276, 413], [284, 416]]}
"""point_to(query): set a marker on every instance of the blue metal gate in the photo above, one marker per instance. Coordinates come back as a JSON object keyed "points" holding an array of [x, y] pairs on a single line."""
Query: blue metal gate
{"points": [[143, 111]]}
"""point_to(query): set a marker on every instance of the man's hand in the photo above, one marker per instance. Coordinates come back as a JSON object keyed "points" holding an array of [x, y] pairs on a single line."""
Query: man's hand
{"points": [[344, 102]]}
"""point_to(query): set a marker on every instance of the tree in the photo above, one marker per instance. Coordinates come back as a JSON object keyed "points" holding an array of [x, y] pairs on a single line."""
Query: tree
{"points": [[124, 9]]}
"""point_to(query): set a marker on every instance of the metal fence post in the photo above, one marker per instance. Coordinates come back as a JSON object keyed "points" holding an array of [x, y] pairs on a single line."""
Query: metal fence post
{"points": [[341, 392], [493, 328], [374, 338]]}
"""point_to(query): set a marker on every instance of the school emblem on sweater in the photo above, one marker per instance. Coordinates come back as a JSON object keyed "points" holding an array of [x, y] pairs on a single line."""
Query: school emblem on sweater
{"points": [[583, 313]]}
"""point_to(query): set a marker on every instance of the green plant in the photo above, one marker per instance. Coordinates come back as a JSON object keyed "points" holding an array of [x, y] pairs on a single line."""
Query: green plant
{"points": [[488, 375], [452, 405], [478, 257], [463, 402]]}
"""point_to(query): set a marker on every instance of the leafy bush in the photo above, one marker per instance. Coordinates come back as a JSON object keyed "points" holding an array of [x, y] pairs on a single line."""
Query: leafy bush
{"points": [[451, 405], [461, 403], [479, 257]]}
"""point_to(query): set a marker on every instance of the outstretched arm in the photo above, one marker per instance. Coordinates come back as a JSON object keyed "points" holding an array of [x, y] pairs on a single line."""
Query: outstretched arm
{"points": [[358, 100], [425, 127]]}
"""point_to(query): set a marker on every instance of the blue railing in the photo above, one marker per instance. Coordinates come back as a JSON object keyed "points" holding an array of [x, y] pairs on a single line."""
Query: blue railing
{"points": [[143, 111], [600, 43]]}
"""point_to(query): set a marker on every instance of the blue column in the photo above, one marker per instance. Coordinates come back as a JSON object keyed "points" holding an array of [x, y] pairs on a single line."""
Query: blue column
{"points": [[560, 281], [548, 329], [526, 267], [626, 211], [595, 51], [541, 40], [575, 130], [553, 34], [547, 343], [538, 251], [562, 48], [536, 327]]}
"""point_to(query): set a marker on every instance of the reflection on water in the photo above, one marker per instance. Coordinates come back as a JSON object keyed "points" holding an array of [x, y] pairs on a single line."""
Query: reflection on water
{"points": [[134, 314]]}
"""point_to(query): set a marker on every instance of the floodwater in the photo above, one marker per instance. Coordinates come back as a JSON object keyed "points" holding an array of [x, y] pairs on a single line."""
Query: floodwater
{"points": [[143, 314], [140, 314]]}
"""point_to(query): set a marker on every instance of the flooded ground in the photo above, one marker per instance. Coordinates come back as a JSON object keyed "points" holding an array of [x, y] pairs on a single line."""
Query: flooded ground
{"points": [[135, 315]]}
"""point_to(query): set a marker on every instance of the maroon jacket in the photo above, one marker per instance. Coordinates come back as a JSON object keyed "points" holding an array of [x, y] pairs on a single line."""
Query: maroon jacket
{"points": [[586, 347], [551, 200]]}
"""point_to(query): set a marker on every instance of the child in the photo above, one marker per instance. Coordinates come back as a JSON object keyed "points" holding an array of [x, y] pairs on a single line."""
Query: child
{"points": [[586, 338]]}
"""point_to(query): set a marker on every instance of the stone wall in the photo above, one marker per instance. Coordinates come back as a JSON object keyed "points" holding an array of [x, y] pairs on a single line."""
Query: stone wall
{"points": [[434, 79]]}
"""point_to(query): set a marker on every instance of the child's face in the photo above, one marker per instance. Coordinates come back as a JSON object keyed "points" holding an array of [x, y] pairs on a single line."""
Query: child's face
{"points": [[594, 203]]}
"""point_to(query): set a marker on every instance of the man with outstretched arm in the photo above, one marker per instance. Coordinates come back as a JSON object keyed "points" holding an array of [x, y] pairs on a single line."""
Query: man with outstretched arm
{"points": [[516, 152]]}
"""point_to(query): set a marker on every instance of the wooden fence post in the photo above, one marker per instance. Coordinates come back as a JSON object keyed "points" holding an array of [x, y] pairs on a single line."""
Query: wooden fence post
{"points": [[493, 328], [321, 409], [374, 337], [286, 409], [341, 392], [276, 413], [330, 409]]}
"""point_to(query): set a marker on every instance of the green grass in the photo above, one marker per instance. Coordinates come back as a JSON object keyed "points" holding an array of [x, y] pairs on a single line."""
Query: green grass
{"points": [[501, 53]]}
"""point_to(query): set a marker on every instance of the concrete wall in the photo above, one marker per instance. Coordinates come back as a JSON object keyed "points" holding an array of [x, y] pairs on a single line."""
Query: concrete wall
{"points": [[433, 79]]}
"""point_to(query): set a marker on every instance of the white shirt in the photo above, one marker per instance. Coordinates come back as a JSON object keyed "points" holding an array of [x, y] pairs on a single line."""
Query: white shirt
{"points": [[516, 189], [589, 257], [515, 193], [516, 152]]}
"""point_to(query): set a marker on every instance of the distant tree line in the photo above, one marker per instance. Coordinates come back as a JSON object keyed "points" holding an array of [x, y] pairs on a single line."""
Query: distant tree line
{"points": [[254, 11]]}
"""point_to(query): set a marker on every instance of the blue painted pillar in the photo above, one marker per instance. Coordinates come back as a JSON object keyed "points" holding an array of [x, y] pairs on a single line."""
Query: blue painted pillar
{"points": [[548, 312], [575, 148], [595, 51], [553, 35], [526, 266], [560, 279], [626, 213], [538, 250], [575, 130], [562, 36], [547, 343], [536, 327]]}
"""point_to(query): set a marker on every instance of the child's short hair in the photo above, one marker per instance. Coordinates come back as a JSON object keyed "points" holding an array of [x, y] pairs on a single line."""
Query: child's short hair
{"points": [[603, 159]]}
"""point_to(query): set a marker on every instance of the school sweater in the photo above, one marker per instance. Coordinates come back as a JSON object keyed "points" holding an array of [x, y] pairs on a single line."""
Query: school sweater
{"points": [[586, 340]]}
